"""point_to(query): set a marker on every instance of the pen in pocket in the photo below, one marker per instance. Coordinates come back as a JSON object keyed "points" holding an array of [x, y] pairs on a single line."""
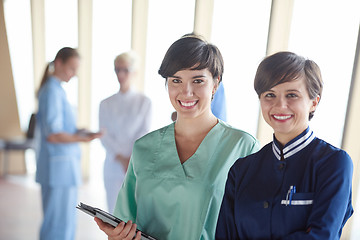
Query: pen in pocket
{"points": [[290, 194]]}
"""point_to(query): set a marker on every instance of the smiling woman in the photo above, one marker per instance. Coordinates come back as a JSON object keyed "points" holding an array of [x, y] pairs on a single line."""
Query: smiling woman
{"points": [[286, 108], [191, 91], [298, 186], [289, 88], [177, 174]]}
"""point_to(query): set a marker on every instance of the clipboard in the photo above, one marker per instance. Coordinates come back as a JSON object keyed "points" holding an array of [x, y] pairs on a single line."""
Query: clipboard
{"points": [[107, 217], [86, 133]]}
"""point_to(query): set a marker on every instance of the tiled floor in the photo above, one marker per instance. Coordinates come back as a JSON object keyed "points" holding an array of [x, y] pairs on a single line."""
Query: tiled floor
{"points": [[20, 206], [21, 214]]}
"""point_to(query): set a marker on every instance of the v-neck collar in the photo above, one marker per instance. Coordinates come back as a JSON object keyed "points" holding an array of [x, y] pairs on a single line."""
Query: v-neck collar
{"points": [[193, 167], [294, 146]]}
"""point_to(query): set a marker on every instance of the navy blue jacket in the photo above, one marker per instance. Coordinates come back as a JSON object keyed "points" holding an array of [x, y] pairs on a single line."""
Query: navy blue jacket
{"points": [[301, 191]]}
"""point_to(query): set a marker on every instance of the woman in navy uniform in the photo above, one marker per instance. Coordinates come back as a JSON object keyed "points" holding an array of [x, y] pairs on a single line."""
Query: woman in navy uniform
{"points": [[297, 186]]}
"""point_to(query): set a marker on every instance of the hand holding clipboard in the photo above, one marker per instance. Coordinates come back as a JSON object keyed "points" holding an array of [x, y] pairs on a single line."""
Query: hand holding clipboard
{"points": [[107, 218]]}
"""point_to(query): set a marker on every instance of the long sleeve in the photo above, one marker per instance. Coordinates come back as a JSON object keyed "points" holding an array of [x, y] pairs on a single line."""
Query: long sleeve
{"points": [[109, 143], [226, 228], [331, 203], [146, 115]]}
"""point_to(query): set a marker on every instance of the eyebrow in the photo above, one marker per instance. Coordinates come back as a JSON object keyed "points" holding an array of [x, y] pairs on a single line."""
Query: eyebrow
{"points": [[288, 90], [174, 76], [292, 90], [197, 76]]}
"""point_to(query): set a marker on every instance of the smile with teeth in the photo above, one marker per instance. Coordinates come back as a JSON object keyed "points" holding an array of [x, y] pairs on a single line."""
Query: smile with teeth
{"points": [[188, 104], [282, 117]]}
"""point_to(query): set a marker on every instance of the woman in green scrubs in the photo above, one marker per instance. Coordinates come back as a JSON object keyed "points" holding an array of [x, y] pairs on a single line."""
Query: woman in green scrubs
{"points": [[176, 178]]}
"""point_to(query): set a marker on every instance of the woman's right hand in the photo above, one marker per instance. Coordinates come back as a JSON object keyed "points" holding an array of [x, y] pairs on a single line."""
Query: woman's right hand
{"points": [[87, 136], [121, 232]]}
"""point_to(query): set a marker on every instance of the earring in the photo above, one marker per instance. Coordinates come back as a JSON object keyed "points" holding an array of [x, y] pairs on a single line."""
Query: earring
{"points": [[213, 93]]}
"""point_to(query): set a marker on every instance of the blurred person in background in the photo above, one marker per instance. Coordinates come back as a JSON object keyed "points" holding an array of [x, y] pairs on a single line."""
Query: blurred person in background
{"points": [[58, 160], [124, 117]]}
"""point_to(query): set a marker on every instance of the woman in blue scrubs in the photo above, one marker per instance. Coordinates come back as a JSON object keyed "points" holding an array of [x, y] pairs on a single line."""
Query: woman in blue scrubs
{"points": [[176, 177], [58, 160], [297, 186]]}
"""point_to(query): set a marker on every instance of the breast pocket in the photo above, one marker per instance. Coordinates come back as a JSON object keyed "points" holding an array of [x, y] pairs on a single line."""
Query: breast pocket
{"points": [[295, 213], [299, 199]]}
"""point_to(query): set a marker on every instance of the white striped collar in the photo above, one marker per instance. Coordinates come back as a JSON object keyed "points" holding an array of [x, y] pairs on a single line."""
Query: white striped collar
{"points": [[294, 145]]}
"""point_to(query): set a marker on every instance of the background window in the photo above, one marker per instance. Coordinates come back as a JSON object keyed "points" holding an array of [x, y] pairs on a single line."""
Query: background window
{"points": [[329, 38], [168, 21], [108, 42], [20, 47], [59, 34], [243, 46]]}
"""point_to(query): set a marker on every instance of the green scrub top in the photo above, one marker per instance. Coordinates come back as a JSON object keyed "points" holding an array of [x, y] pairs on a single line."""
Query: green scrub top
{"points": [[170, 200]]}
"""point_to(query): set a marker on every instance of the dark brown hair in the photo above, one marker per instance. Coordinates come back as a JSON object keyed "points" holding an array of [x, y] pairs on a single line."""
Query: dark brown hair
{"points": [[63, 54], [192, 52], [284, 67]]}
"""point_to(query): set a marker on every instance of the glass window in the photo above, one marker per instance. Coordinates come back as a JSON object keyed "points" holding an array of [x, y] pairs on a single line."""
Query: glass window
{"points": [[59, 34], [20, 46], [111, 36], [326, 32], [168, 21], [240, 31]]}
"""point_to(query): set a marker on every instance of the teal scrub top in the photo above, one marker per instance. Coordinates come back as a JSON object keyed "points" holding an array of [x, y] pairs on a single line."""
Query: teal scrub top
{"points": [[170, 200]]}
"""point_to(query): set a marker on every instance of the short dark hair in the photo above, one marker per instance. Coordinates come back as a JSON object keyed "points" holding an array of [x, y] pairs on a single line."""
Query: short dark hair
{"points": [[284, 67], [192, 52]]}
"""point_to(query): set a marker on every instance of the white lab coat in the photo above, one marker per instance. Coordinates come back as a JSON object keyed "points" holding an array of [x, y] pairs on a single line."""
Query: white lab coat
{"points": [[124, 117]]}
